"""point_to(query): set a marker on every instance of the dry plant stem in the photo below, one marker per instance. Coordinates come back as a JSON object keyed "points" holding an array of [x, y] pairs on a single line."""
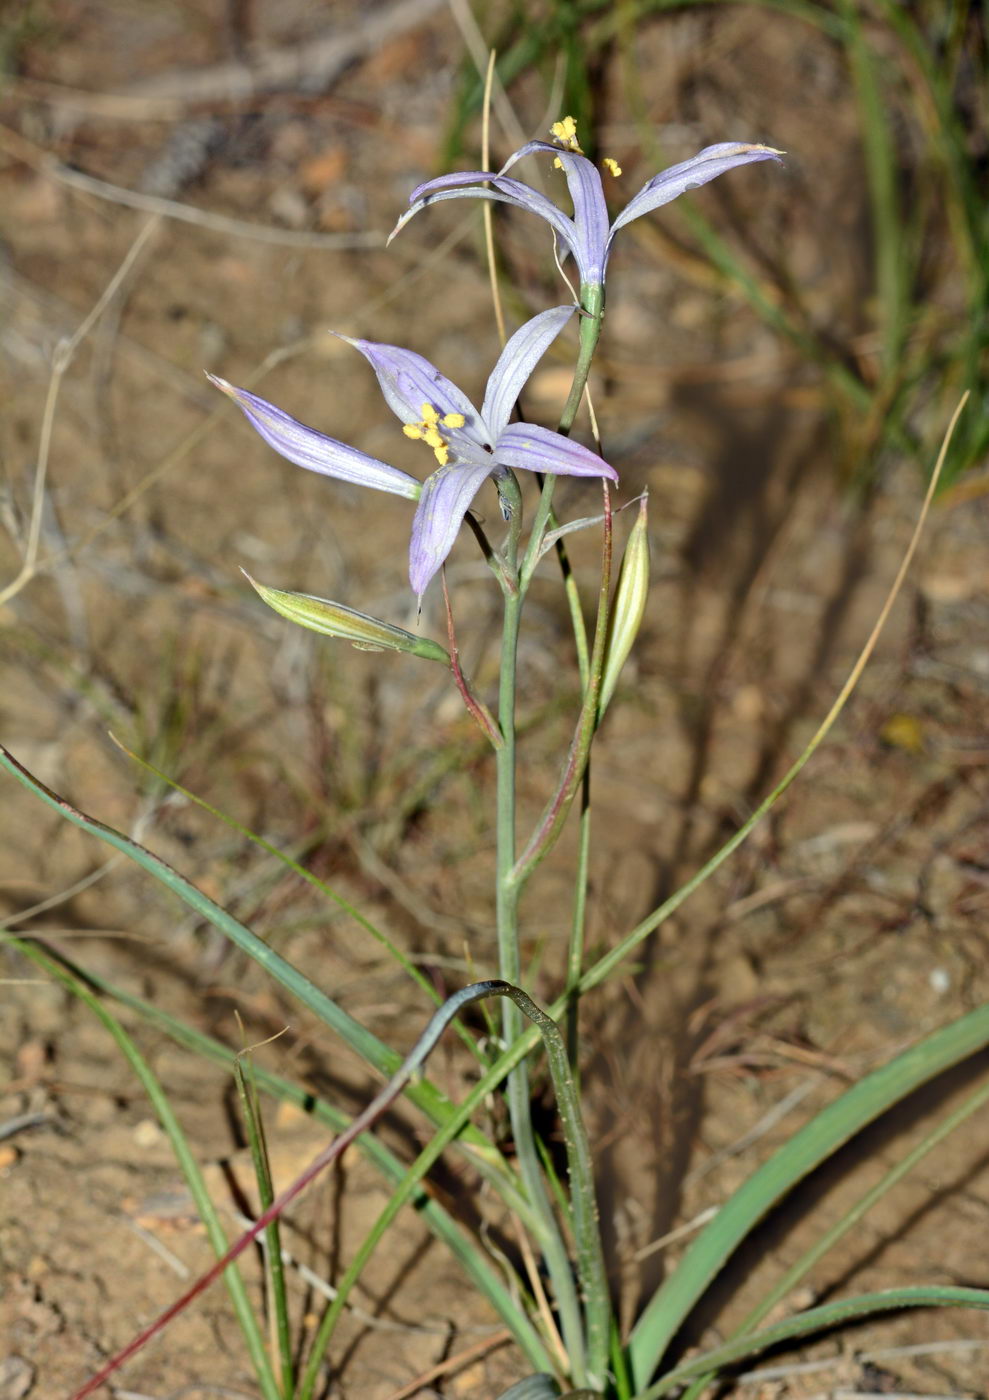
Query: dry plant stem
{"points": [[487, 210], [590, 1261], [46, 164], [603, 969], [61, 360], [480, 712], [271, 361], [591, 316], [546, 834], [452, 1364]]}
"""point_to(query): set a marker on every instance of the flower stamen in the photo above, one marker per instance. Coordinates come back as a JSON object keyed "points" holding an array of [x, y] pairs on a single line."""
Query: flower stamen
{"points": [[612, 166], [427, 430], [565, 134]]}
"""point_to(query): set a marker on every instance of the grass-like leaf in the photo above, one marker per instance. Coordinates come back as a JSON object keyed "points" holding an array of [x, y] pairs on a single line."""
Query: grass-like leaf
{"points": [[370, 928], [246, 1320], [386, 1061], [820, 1319], [247, 1090], [437, 1218], [807, 1149]]}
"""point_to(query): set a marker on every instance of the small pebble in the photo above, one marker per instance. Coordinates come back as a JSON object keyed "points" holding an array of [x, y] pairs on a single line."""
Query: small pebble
{"points": [[940, 980]]}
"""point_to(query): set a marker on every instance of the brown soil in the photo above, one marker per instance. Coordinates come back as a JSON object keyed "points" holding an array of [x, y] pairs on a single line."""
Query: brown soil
{"points": [[850, 924]]}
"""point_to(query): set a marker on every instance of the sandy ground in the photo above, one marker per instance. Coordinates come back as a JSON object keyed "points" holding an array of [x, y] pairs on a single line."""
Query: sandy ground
{"points": [[851, 923]]}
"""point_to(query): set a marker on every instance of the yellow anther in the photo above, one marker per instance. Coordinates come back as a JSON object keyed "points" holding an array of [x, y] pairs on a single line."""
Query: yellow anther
{"points": [[566, 133], [612, 166], [427, 430]]}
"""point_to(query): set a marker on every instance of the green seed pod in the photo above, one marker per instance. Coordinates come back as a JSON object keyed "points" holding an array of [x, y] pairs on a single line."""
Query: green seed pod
{"points": [[628, 606], [334, 620]]}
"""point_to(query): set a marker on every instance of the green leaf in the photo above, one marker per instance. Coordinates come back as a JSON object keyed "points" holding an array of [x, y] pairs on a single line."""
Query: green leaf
{"points": [[805, 1151], [540, 1387], [439, 1221], [386, 1061], [816, 1320], [183, 1154]]}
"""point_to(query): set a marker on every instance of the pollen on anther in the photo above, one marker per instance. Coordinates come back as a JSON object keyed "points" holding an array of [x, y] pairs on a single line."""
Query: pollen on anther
{"points": [[612, 166], [566, 132]]}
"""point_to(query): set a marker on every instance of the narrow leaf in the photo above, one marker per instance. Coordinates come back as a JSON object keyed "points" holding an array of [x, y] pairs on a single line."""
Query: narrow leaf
{"points": [[807, 1149], [386, 1061], [820, 1319]]}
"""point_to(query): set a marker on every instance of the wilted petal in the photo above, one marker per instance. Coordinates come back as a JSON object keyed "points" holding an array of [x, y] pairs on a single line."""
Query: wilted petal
{"points": [[590, 212], [501, 189], [446, 498], [529, 448], [688, 175], [516, 363], [307, 448], [451, 181], [409, 380]]}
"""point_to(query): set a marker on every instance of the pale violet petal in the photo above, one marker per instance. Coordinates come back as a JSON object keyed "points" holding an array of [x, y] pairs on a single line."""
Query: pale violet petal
{"points": [[408, 381], [590, 215], [502, 190], [451, 181], [516, 363], [590, 212], [533, 449], [445, 500], [318, 453], [688, 175]]}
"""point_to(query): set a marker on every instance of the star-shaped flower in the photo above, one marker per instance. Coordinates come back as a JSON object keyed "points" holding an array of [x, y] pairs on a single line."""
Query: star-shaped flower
{"points": [[589, 234], [468, 445]]}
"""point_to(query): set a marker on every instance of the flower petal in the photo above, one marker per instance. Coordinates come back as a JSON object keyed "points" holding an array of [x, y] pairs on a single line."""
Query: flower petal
{"points": [[590, 212], [307, 448], [516, 363], [446, 498], [409, 380], [529, 448], [688, 175], [466, 185]]}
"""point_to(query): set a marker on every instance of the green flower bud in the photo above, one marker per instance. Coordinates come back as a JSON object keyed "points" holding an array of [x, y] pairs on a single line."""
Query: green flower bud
{"points": [[628, 607], [334, 620]]}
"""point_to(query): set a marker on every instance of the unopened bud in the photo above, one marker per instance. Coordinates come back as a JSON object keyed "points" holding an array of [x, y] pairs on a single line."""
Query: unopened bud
{"points": [[628, 607], [334, 620]]}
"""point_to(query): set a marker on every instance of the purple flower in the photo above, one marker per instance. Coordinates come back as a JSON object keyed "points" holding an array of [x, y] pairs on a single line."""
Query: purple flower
{"points": [[469, 446], [588, 235]]}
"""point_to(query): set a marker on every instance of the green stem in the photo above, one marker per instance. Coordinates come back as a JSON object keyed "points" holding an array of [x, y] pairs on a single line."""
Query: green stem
{"points": [[550, 825], [575, 952], [274, 1261], [509, 888], [592, 308], [510, 968]]}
